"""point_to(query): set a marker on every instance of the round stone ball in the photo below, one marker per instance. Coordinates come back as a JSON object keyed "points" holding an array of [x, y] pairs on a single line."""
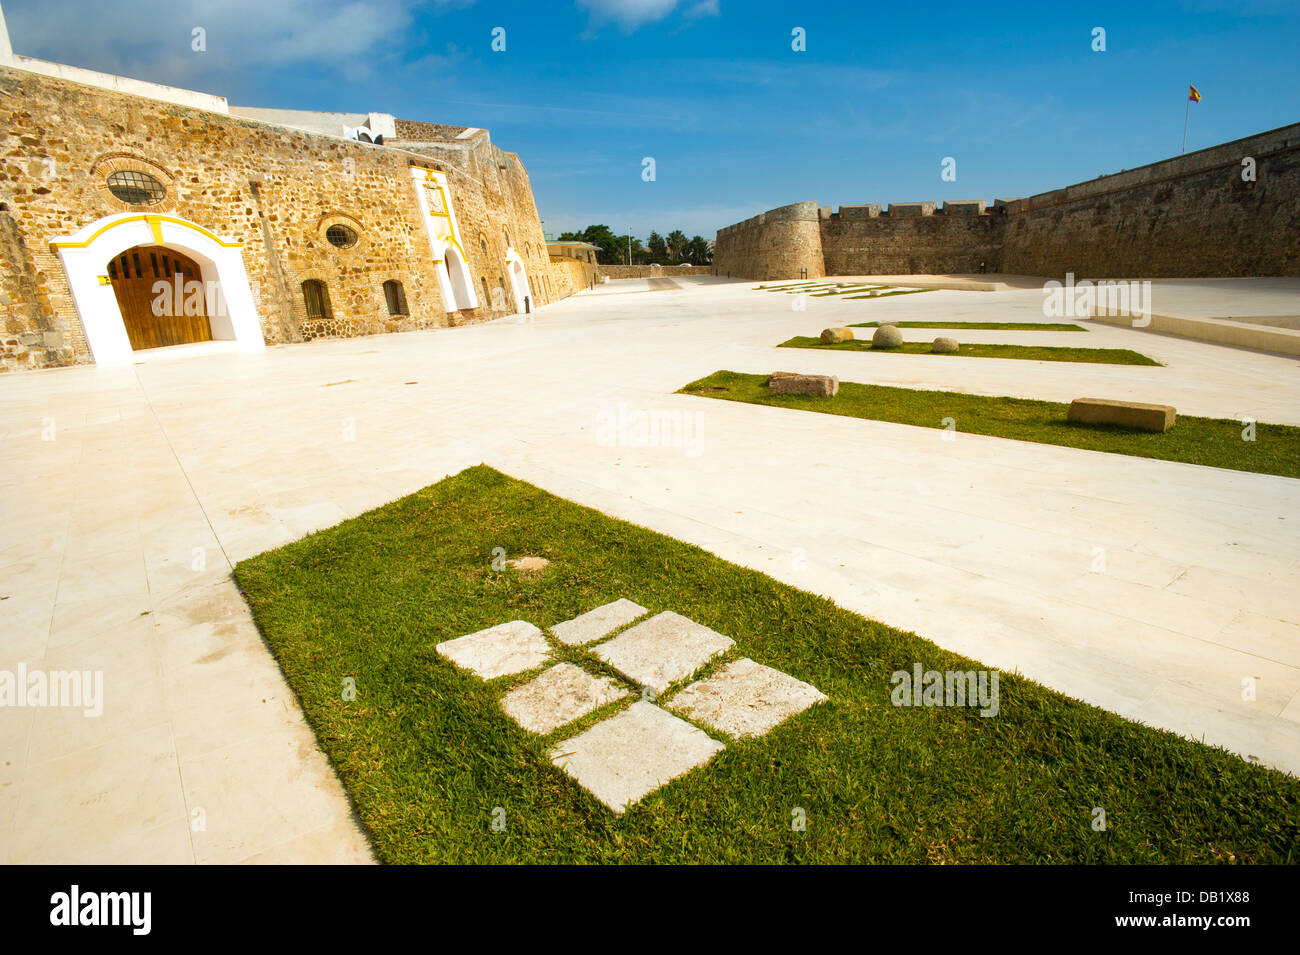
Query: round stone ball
{"points": [[887, 336]]}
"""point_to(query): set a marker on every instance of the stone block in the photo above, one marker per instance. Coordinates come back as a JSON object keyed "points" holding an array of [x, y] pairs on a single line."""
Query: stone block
{"points": [[823, 386], [561, 695], [498, 651], [595, 624], [832, 336], [865, 211], [626, 757], [662, 650], [964, 207], [745, 699], [912, 208], [1130, 414], [945, 346]]}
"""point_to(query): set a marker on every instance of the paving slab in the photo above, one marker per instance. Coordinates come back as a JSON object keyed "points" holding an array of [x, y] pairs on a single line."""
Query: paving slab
{"points": [[995, 563], [663, 650], [628, 756], [745, 699], [597, 623], [498, 651], [561, 695]]}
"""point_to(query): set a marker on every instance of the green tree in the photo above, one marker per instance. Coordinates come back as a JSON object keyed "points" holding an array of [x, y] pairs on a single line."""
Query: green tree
{"points": [[698, 251], [676, 244], [657, 247]]}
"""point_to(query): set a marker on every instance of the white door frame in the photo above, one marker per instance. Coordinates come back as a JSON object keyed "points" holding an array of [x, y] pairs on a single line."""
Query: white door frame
{"points": [[443, 230], [518, 273], [87, 252]]}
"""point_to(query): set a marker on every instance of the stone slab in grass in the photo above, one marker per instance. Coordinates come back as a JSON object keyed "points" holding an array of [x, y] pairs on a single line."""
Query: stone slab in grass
{"points": [[825, 386], [498, 651], [595, 624], [626, 757], [561, 695], [746, 699], [1130, 414], [662, 650]]}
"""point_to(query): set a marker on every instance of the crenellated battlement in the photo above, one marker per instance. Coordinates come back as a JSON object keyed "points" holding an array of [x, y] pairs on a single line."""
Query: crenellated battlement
{"points": [[1231, 209]]}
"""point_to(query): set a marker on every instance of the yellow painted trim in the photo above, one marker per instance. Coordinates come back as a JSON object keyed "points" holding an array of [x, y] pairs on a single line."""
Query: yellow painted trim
{"points": [[155, 226]]}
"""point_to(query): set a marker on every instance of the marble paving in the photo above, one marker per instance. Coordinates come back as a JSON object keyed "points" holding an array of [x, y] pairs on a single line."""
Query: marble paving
{"points": [[1151, 588]]}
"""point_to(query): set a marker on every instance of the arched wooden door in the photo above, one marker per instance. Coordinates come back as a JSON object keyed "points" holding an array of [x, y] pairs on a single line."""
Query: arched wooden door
{"points": [[154, 317]]}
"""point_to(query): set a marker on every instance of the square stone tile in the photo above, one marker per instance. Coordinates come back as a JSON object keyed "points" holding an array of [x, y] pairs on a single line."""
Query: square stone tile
{"points": [[746, 699], [594, 624], [663, 649], [560, 695], [497, 651], [629, 755]]}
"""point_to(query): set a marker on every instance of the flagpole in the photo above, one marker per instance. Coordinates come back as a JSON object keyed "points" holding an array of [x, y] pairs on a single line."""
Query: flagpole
{"points": [[1187, 109]]}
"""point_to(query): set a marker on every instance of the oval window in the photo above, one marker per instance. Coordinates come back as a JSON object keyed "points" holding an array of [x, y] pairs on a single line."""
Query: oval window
{"points": [[137, 188], [341, 236]]}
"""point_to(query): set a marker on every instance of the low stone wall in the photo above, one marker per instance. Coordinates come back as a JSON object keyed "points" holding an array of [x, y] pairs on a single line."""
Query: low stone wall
{"points": [[650, 271], [569, 276]]}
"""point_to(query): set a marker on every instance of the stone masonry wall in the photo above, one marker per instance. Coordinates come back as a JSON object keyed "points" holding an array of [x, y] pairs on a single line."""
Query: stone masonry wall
{"points": [[273, 189], [773, 245], [1192, 216], [569, 275], [887, 245], [650, 271], [495, 207]]}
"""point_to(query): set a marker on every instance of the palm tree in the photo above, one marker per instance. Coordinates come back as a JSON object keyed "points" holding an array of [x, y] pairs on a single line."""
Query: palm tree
{"points": [[676, 244]]}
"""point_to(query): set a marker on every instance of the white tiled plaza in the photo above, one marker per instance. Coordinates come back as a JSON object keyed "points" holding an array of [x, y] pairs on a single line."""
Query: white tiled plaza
{"points": [[127, 495]]}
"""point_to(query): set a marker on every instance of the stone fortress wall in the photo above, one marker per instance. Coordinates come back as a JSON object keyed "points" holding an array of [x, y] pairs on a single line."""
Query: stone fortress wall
{"points": [[272, 189], [779, 243], [1191, 216]]}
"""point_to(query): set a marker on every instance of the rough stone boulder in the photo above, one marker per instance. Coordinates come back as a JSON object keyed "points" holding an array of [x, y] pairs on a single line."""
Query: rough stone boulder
{"points": [[823, 386], [1129, 414], [887, 336], [831, 336], [945, 346], [779, 374]]}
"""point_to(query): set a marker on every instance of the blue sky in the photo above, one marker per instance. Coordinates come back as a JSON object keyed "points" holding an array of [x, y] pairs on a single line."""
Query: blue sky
{"points": [[735, 119]]}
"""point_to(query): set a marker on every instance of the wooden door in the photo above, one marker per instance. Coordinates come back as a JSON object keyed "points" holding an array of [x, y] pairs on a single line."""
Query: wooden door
{"points": [[153, 317]]}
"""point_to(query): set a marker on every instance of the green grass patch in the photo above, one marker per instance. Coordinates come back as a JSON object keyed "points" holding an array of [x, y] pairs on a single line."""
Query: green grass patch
{"points": [[426, 753], [1213, 442], [998, 326], [1101, 356]]}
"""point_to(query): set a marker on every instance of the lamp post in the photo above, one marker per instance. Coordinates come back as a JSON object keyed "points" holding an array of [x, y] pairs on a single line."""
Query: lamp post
{"points": [[629, 246]]}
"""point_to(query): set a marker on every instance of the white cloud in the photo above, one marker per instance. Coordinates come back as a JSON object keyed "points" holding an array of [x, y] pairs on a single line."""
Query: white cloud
{"points": [[153, 41], [705, 8], [628, 14]]}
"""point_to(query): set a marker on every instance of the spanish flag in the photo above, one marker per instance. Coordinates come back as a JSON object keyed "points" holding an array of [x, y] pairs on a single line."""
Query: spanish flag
{"points": [[1193, 94]]}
